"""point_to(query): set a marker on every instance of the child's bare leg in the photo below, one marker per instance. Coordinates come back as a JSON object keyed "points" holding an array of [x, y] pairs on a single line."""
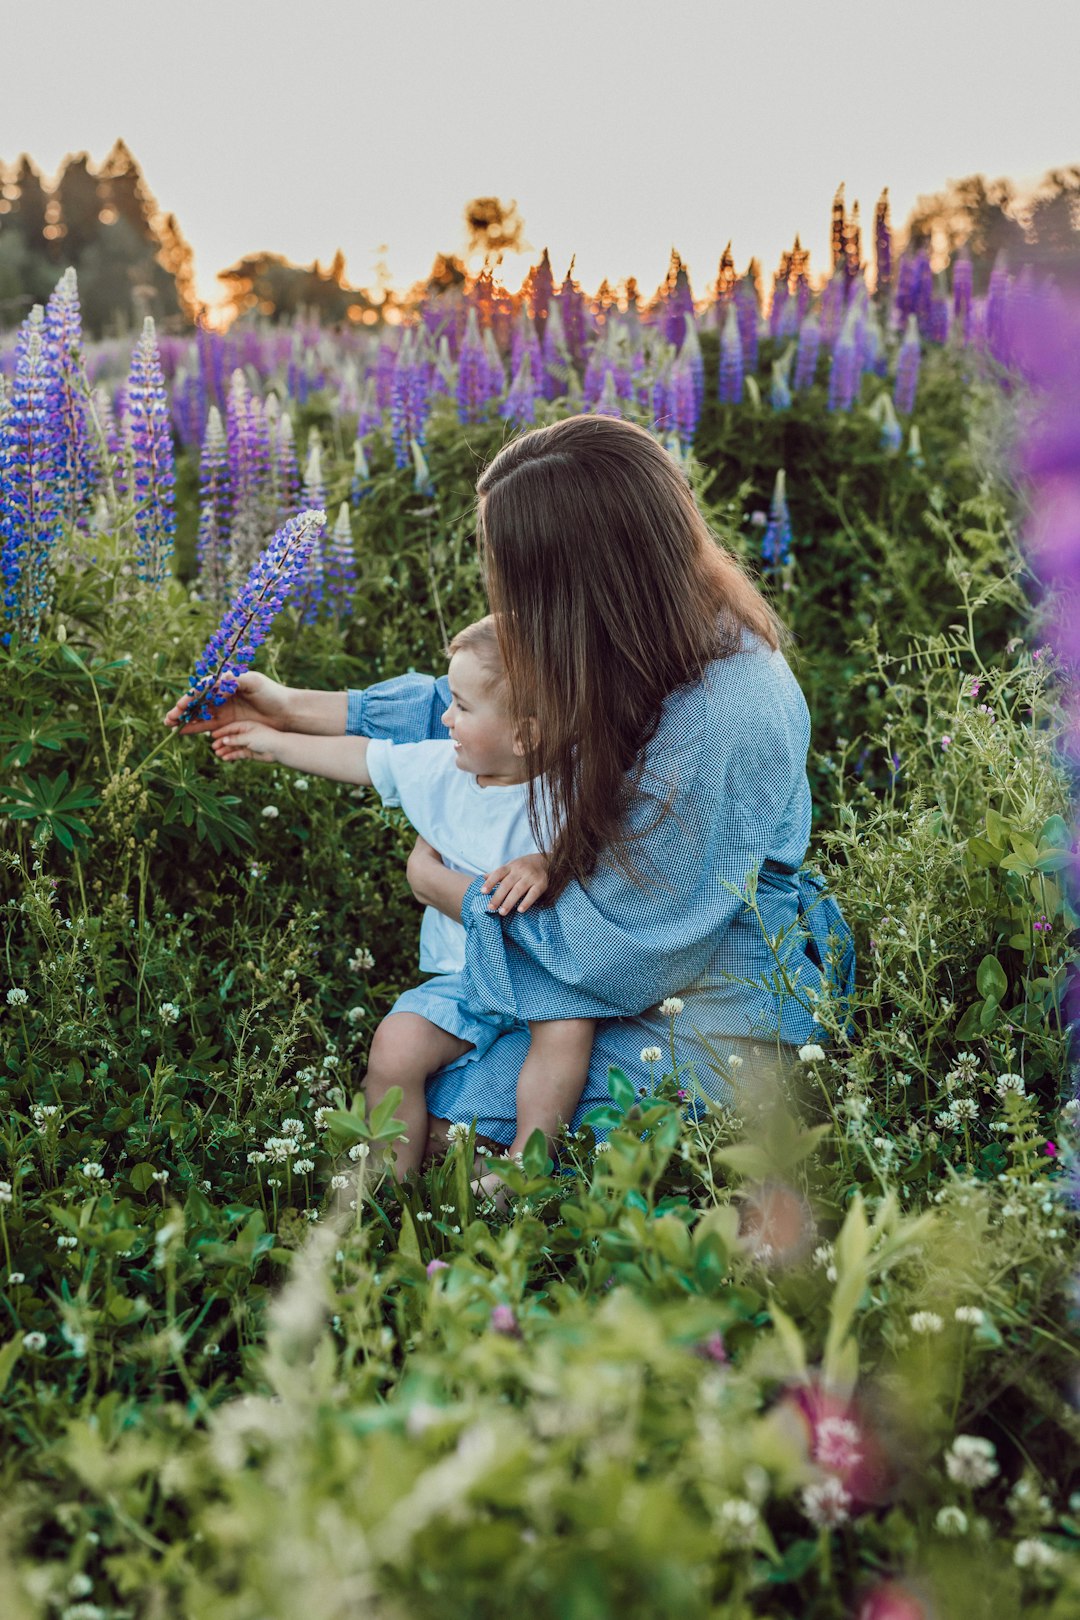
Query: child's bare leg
{"points": [[551, 1081], [405, 1051]]}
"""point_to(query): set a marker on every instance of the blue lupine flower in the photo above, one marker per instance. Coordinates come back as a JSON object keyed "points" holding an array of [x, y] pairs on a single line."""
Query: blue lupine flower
{"points": [[250, 514], [730, 390], [523, 341], [472, 388], [30, 517], [997, 297], [834, 306], [150, 436], [519, 406], [557, 362], [937, 325], [369, 417], [423, 483], [882, 245], [313, 497], [231, 649], [845, 371], [907, 368], [746, 309], [661, 404], [341, 565], [212, 541], [691, 353], [63, 343], [571, 305], [776, 541], [807, 358]]}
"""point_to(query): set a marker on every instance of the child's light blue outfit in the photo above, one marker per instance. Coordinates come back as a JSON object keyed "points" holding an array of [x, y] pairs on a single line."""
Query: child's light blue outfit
{"points": [[728, 762], [475, 829]]}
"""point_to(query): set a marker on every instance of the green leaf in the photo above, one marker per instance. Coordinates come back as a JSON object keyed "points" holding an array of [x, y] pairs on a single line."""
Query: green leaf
{"points": [[9, 1355], [535, 1159], [383, 1113], [622, 1092], [997, 829], [991, 979], [142, 1176]]}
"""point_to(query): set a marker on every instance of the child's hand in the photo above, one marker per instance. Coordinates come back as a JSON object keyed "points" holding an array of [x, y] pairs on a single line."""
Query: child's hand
{"points": [[246, 739], [519, 883]]}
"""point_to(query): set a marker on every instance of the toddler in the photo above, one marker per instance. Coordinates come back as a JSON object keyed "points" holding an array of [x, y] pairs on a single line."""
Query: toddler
{"points": [[467, 797]]}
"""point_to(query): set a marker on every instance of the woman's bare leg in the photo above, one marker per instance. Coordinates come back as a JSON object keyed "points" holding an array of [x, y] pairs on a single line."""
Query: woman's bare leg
{"points": [[406, 1051]]}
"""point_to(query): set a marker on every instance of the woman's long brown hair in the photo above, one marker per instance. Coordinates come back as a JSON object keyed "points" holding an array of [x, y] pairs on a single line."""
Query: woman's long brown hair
{"points": [[609, 593]]}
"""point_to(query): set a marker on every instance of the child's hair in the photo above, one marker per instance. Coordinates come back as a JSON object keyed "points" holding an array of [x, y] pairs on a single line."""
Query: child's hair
{"points": [[482, 639]]}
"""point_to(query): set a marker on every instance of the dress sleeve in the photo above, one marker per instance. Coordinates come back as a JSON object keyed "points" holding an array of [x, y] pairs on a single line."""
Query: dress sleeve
{"points": [[405, 709], [613, 947]]}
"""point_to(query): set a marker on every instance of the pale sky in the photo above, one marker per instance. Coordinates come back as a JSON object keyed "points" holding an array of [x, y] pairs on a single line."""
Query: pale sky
{"points": [[318, 124]]}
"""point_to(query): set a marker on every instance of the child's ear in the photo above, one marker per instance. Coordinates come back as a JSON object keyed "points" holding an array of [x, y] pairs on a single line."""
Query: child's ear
{"points": [[519, 746]]}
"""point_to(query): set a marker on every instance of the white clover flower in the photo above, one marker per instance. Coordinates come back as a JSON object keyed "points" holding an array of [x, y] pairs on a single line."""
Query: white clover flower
{"points": [[160, 1176], [301, 784], [827, 1504], [359, 1150], [339, 1183], [1009, 1082], [361, 960], [80, 1584], [93, 1170], [65, 1241], [602, 1147], [355, 1015], [734, 1061], [968, 1062], [457, 1132], [737, 1519], [34, 1341], [963, 1108], [273, 1181], [258, 1157], [15, 1278], [970, 1315], [671, 1006], [822, 1255], [1035, 1554], [321, 1116], [331, 1060], [169, 1012], [292, 1127], [17, 997], [926, 1322], [812, 1053], [311, 1214], [951, 1521], [270, 812], [946, 1122], [651, 1054], [6, 1194], [970, 1460], [304, 1167]]}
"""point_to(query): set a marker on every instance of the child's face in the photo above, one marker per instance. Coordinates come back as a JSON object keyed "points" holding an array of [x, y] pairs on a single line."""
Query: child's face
{"points": [[479, 727]]}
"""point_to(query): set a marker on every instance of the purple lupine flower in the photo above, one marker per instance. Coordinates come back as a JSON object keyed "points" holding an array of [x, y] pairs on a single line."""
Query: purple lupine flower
{"points": [[341, 566], [776, 540], [63, 343], [231, 649], [496, 371], [250, 499], [691, 353], [154, 468], [937, 325], [678, 305], [188, 407], [523, 341], [962, 284], [541, 284], [519, 406], [906, 280], [845, 372], [556, 376], [661, 403], [286, 469], [409, 401], [609, 404], [833, 307], [30, 490], [781, 299], [314, 497], [907, 368], [807, 357], [684, 401], [923, 292], [746, 309], [571, 304], [997, 297], [730, 390], [472, 386]]}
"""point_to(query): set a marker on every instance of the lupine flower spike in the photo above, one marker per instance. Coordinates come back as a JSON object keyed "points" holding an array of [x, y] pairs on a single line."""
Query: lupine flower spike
{"points": [[341, 565], [907, 369], [231, 649], [149, 431], [29, 486], [730, 391], [776, 541]]}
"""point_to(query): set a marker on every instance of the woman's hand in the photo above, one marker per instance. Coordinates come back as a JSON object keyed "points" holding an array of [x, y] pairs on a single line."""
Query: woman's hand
{"points": [[257, 697], [434, 884]]}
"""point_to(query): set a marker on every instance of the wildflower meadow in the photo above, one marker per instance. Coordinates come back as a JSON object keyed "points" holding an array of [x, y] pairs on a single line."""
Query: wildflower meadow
{"points": [[810, 1352]]}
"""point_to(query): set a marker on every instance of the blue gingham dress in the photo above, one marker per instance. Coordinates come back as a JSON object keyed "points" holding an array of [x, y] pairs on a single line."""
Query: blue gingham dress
{"points": [[729, 754]]}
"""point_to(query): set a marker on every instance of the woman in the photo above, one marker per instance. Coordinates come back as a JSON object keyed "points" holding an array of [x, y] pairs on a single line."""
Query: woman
{"points": [[670, 738]]}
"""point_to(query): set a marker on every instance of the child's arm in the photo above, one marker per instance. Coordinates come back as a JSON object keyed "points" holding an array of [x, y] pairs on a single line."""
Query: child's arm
{"points": [[519, 883], [342, 759]]}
